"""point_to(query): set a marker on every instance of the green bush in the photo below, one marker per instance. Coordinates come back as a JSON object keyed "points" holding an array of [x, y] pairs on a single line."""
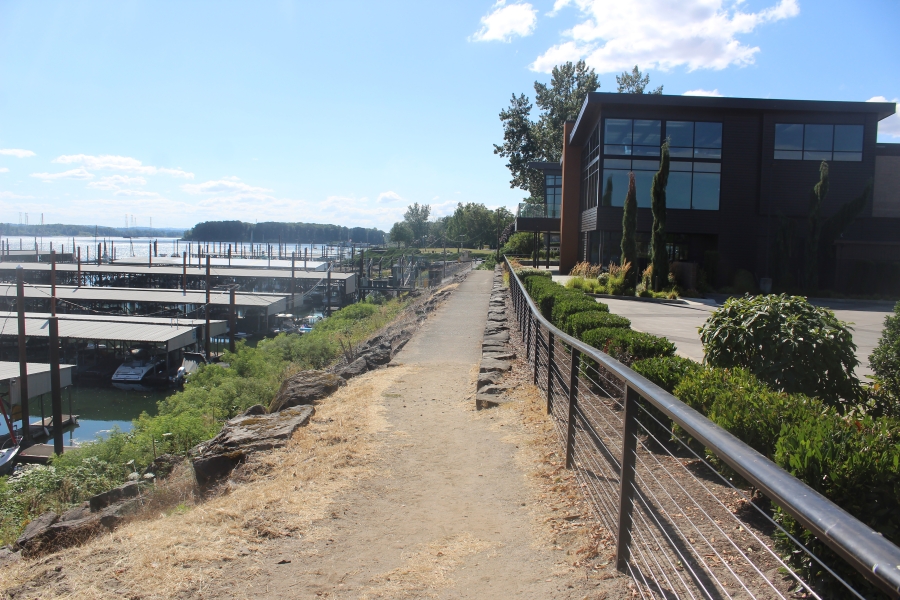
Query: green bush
{"points": [[626, 345], [853, 462], [885, 360], [787, 342], [739, 402], [566, 306], [524, 272], [578, 323], [667, 371]]}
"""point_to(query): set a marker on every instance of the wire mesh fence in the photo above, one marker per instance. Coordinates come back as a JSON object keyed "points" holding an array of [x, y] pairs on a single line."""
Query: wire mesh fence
{"points": [[693, 514]]}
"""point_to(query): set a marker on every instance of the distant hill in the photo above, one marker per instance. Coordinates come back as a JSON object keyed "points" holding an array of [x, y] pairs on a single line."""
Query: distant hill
{"points": [[57, 229], [289, 233]]}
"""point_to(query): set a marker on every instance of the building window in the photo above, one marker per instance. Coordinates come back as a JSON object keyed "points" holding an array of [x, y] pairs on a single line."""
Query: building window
{"points": [[691, 185], [797, 141], [553, 194], [631, 137], [689, 139], [590, 170]]}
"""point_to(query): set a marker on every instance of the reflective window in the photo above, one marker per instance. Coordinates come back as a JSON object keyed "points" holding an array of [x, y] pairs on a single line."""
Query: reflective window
{"points": [[688, 139], [643, 183], [615, 187], [796, 141], [678, 190], [631, 137], [691, 184], [705, 193]]}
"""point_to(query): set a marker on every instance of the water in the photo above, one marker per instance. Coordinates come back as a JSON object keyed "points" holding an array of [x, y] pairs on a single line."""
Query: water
{"points": [[120, 247]]}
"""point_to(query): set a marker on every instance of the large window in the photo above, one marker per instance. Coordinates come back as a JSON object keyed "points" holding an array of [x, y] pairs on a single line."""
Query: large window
{"points": [[693, 184], [796, 141], [553, 194], [590, 170]]}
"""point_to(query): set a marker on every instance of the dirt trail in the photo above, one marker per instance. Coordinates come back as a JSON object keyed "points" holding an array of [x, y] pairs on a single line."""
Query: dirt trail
{"points": [[398, 488], [448, 513]]}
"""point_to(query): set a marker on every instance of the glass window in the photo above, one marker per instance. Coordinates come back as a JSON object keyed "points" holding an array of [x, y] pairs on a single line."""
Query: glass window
{"points": [[617, 163], [628, 137], [818, 138], [707, 167], [618, 131], [646, 133], [645, 165], [708, 135], [788, 137], [680, 133], [643, 183], [705, 194], [848, 138], [615, 187], [679, 166], [678, 190]]}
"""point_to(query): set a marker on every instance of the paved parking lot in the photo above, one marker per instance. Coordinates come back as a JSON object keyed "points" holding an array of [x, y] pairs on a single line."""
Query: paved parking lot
{"points": [[680, 322]]}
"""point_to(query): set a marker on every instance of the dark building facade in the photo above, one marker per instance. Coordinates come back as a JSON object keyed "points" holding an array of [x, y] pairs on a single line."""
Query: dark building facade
{"points": [[740, 180]]}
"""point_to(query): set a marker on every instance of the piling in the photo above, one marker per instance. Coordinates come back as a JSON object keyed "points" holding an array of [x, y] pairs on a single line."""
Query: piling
{"points": [[206, 309], [23, 359]]}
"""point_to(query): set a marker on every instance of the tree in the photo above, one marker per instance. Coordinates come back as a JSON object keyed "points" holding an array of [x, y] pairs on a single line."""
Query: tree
{"points": [[525, 140], [814, 228], [885, 360], [401, 233], [635, 82], [659, 255], [629, 231], [417, 218], [477, 224]]}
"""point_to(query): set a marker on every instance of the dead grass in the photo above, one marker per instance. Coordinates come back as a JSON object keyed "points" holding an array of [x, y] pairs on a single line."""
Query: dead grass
{"points": [[182, 551]]}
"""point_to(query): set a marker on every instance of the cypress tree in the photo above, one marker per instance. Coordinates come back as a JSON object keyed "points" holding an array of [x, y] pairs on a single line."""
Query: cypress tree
{"points": [[814, 229], [629, 227], [659, 256]]}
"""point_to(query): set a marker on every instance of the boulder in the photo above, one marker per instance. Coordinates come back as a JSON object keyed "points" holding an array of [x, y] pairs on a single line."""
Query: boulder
{"points": [[79, 512], [485, 379], [163, 465], [499, 355], [502, 336], [35, 531], [354, 369], [377, 357], [8, 557], [493, 390], [212, 468], [489, 365], [483, 401], [492, 328], [305, 388], [129, 490]]}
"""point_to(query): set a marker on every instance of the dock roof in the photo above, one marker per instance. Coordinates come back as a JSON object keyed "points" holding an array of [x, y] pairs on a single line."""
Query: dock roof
{"points": [[173, 337], [38, 378], [235, 263], [142, 269], [216, 326]]}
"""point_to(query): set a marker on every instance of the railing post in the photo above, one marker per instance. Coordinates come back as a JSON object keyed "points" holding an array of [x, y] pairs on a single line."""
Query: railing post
{"points": [[573, 404], [549, 372], [626, 478], [529, 317], [537, 338]]}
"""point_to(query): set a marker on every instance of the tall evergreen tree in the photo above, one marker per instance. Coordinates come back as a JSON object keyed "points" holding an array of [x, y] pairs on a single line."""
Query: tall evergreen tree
{"points": [[629, 231], [659, 255], [814, 228]]}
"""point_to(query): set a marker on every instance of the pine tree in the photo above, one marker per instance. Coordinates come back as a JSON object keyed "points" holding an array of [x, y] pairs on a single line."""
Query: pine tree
{"points": [[814, 228], [629, 227], [659, 255]]}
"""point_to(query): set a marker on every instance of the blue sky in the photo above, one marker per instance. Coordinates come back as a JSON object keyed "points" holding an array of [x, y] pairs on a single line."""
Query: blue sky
{"points": [[345, 112]]}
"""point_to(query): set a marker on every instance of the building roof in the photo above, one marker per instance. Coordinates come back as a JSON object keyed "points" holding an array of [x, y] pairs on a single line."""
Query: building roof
{"points": [[38, 379], [216, 326], [142, 269], [178, 297], [595, 100], [172, 336], [235, 263], [540, 165], [10, 370]]}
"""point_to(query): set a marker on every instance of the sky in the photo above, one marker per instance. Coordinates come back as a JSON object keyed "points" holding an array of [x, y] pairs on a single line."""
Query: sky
{"points": [[171, 113]]}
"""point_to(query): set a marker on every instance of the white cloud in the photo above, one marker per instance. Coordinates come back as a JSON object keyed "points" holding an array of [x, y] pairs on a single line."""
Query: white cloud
{"points": [[17, 152], [701, 92], [12, 196], [388, 196], [226, 185], [70, 174], [4, 170], [119, 163], [140, 193], [114, 182], [891, 125], [615, 35], [505, 21]]}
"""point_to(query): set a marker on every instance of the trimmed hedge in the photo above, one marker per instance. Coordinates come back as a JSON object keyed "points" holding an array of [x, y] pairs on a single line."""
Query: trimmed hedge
{"points": [[570, 304], [667, 371], [532, 272], [580, 322], [626, 345]]}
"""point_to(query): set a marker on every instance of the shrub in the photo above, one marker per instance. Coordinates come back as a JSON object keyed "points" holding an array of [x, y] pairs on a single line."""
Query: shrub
{"points": [[572, 303], [580, 322], [618, 282], [667, 371], [885, 360], [586, 270], [524, 272], [787, 342], [739, 402], [853, 462], [626, 345], [744, 282]]}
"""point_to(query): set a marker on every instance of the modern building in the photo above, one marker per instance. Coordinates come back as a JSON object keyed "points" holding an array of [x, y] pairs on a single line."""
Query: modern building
{"points": [[738, 193]]}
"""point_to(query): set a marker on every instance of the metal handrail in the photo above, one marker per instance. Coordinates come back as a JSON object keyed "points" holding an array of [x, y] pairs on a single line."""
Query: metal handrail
{"points": [[865, 550]]}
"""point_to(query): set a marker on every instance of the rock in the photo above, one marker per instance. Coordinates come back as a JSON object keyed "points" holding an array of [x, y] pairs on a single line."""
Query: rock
{"points": [[377, 357], [500, 355], [502, 336], [493, 328], [79, 512], [493, 390], [354, 369], [485, 379], [489, 365], [483, 401], [35, 530], [255, 410], [129, 490], [210, 469], [8, 557], [305, 388], [163, 465]]}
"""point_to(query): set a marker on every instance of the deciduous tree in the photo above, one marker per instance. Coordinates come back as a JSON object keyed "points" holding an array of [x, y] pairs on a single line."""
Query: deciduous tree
{"points": [[635, 82]]}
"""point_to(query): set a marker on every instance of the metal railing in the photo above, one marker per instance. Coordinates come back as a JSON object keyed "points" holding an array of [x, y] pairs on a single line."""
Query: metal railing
{"points": [[538, 211], [682, 528]]}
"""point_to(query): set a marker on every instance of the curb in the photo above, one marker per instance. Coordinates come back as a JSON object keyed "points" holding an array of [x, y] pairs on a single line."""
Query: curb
{"points": [[639, 299]]}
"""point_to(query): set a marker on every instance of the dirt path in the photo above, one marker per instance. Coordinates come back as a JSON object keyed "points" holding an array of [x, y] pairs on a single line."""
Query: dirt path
{"points": [[448, 513]]}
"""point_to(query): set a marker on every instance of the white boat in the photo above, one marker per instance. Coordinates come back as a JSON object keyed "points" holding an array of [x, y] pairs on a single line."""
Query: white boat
{"points": [[8, 459], [143, 372]]}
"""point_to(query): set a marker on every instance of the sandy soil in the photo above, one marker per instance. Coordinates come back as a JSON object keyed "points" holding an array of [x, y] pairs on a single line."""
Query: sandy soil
{"points": [[398, 488]]}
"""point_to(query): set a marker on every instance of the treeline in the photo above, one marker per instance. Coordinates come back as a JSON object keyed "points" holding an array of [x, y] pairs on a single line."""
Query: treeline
{"points": [[58, 229], [289, 233]]}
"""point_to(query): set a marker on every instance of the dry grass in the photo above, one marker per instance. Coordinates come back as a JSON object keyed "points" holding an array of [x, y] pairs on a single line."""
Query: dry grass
{"points": [[181, 552]]}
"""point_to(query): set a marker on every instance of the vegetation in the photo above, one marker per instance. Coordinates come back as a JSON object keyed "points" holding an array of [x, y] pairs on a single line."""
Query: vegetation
{"points": [[659, 255], [211, 396], [580, 322], [885, 359], [786, 342], [627, 345], [635, 82], [817, 197], [629, 227], [401, 233], [289, 233], [471, 224], [667, 371]]}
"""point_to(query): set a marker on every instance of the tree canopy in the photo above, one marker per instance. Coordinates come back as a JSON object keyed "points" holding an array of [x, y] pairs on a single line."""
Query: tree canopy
{"points": [[635, 82], [472, 224], [289, 233]]}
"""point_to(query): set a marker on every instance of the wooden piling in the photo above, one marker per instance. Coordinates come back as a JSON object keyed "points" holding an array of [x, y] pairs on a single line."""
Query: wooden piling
{"points": [[23, 358]]}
